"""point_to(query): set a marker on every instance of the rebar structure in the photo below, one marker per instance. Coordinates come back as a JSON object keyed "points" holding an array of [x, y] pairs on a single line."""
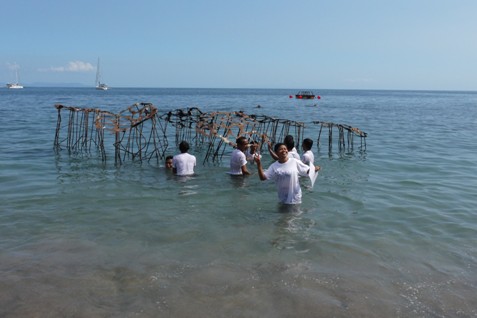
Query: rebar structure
{"points": [[141, 132], [343, 143]]}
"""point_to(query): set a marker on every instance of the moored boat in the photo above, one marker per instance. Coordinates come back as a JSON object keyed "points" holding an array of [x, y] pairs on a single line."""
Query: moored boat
{"points": [[305, 95], [100, 86], [16, 84]]}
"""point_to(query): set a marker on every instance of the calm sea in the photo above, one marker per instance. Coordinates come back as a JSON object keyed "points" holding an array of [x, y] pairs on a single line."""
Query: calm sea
{"points": [[387, 231]]}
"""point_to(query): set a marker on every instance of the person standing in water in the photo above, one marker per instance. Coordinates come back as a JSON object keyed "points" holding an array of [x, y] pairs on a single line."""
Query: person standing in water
{"points": [[183, 164], [285, 173], [169, 163], [307, 157], [238, 160], [289, 141], [252, 151]]}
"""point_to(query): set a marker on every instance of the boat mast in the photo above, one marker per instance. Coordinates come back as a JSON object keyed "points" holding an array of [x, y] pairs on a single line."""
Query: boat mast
{"points": [[16, 76], [98, 74]]}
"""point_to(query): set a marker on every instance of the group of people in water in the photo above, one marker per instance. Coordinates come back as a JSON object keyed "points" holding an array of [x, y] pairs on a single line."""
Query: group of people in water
{"points": [[285, 171]]}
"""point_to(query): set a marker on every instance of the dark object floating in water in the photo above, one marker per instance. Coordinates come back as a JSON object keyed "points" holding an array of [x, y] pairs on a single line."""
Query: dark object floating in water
{"points": [[305, 95]]}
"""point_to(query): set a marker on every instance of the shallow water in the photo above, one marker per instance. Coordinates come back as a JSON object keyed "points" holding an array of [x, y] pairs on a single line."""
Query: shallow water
{"points": [[389, 231]]}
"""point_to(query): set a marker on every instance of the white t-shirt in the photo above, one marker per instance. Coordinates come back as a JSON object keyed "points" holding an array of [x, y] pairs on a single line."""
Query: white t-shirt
{"points": [[308, 157], [286, 178], [251, 157], [237, 160], [294, 154], [184, 164]]}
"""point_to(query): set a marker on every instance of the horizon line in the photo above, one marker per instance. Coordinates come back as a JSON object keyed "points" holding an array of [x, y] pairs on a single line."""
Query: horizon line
{"points": [[243, 88]]}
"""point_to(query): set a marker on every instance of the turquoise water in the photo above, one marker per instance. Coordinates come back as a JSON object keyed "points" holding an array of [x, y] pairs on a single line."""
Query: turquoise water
{"points": [[389, 231]]}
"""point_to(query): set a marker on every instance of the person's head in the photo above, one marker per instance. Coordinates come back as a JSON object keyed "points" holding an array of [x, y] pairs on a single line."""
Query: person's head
{"points": [[287, 139], [169, 162], [242, 143], [253, 146], [184, 146], [307, 144], [282, 152], [289, 142]]}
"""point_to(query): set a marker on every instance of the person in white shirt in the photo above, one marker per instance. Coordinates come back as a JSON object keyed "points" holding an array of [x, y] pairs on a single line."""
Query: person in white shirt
{"points": [[238, 159], [293, 153], [307, 157], [252, 151], [290, 143], [285, 172], [183, 164]]}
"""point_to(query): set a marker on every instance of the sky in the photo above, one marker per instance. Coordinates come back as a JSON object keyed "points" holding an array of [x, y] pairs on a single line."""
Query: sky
{"points": [[300, 44]]}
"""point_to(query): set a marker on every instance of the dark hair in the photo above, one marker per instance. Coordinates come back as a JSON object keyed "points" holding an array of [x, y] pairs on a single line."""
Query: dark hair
{"points": [[278, 145], [184, 146], [240, 140], [289, 142], [307, 143], [288, 138], [169, 158]]}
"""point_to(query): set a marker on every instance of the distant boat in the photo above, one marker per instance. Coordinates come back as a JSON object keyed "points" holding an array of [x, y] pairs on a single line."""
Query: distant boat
{"points": [[305, 95], [16, 84], [99, 85]]}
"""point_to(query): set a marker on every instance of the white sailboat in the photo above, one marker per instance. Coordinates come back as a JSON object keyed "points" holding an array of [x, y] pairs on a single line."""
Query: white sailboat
{"points": [[16, 84], [99, 85]]}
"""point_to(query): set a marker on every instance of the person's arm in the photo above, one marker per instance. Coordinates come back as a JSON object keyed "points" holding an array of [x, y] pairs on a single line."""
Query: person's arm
{"points": [[302, 168], [245, 171], [305, 158], [272, 153], [317, 168], [261, 173]]}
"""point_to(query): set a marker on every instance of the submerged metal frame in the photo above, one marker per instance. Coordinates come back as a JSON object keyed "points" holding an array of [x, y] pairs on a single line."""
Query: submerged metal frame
{"points": [[140, 132]]}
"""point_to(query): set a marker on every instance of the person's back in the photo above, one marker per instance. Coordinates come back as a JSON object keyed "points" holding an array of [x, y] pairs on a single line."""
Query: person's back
{"points": [[292, 153], [183, 163], [308, 156], [290, 144]]}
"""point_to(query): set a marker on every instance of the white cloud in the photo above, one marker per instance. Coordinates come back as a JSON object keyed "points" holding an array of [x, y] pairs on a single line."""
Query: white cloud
{"points": [[74, 66]]}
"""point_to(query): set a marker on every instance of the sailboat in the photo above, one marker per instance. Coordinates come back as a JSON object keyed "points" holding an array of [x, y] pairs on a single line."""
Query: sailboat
{"points": [[99, 85], [16, 84]]}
